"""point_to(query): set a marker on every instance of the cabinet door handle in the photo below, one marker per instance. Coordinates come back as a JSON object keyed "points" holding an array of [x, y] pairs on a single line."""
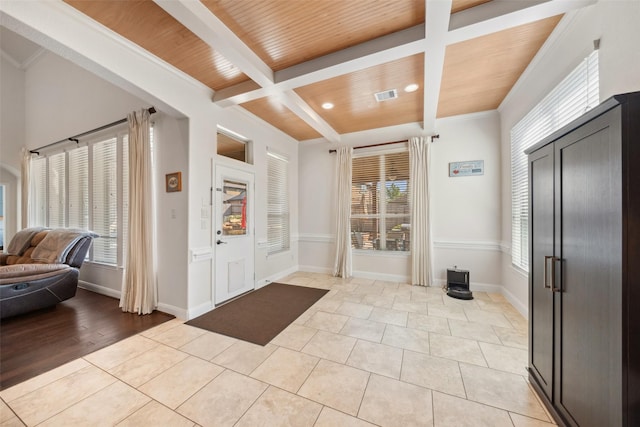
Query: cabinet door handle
{"points": [[545, 272], [553, 274]]}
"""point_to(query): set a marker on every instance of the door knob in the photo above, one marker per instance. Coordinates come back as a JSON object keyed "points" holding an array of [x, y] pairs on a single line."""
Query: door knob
{"points": [[219, 242]]}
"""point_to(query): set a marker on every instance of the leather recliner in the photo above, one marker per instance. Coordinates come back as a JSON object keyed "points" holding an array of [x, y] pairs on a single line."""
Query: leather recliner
{"points": [[41, 268]]}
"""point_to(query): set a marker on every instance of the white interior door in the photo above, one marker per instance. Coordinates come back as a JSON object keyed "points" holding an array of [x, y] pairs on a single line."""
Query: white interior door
{"points": [[234, 233]]}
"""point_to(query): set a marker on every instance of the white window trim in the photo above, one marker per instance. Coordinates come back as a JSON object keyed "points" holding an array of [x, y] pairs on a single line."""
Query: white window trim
{"points": [[118, 132], [571, 98], [285, 240], [382, 216]]}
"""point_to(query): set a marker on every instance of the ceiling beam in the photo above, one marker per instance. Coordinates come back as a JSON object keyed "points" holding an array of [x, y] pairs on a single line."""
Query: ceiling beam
{"points": [[199, 20], [437, 14], [441, 29], [299, 107], [373, 52], [474, 22], [196, 17], [499, 15]]}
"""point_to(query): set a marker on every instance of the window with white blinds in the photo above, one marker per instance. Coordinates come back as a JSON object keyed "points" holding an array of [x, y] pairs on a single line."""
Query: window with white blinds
{"points": [[56, 189], [78, 200], [380, 211], [278, 236], [576, 94], [105, 201], [86, 187], [38, 192]]}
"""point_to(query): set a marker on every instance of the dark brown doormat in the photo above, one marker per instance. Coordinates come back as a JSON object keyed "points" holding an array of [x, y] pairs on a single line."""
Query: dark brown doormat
{"points": [[260, 315]]}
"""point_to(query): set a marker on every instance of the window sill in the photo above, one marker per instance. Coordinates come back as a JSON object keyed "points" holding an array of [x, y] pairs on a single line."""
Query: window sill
{"points": [[279, 253], [102, 265], [385, 254]]}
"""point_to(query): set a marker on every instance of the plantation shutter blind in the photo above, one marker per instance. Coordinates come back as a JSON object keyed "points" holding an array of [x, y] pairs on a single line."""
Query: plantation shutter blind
{"points": [[380, 202], [38, 214], [278, 235], [105, 202], [575, 95], [87, 187], [56, 190], [79, 188]]}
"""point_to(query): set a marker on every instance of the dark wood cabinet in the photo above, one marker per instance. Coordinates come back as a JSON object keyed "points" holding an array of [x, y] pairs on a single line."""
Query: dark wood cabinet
{"points": [[584, 279]]}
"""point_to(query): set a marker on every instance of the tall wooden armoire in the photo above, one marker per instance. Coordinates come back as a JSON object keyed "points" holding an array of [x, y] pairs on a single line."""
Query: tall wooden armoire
{"points": [[584, 281]]}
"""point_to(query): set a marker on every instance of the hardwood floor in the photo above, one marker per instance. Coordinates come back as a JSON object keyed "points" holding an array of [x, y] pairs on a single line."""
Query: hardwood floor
{"points": [[37, 342]]}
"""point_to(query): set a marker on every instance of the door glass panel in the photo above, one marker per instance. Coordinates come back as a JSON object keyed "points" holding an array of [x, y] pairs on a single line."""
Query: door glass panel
{"points": [[234, 208]]}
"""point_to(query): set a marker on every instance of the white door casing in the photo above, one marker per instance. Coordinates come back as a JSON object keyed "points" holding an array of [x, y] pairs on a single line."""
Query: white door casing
{"points": [[233, 233]]}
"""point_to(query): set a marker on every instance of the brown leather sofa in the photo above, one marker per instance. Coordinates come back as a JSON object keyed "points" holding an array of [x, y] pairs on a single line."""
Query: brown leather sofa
{"points": [[41, 268]]}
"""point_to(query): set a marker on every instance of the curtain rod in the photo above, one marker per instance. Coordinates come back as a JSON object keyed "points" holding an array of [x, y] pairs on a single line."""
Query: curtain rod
{"points": [[385, 143], [74, 138]]}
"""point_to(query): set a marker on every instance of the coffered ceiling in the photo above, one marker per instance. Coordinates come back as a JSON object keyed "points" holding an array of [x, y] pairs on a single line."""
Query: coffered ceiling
{"points": [[283, 59]]}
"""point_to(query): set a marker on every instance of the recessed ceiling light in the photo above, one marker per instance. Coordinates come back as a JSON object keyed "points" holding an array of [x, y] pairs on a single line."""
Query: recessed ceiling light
{"points": [[327, 106], [411, 88]]}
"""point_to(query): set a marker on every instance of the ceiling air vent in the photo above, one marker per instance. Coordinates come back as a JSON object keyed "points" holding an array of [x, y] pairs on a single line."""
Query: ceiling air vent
{"points": [[386, 95]]}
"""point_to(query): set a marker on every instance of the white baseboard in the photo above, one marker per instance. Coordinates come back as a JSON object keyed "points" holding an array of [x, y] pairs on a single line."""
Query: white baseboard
{"points": [[102, 290], [487, 287], [357, 274], [475, 286], [275, 277], [516, 303], [315, 269], [180, 313], [196, 311], [380, 276]]}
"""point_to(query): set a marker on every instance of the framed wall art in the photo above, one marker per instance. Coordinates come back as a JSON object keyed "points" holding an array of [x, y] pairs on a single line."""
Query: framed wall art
{"points": [[467, 168], [174, 182]]}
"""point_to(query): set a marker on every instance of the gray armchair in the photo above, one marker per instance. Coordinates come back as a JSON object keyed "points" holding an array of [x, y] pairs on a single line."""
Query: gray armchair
{"points": [[41, 268]]}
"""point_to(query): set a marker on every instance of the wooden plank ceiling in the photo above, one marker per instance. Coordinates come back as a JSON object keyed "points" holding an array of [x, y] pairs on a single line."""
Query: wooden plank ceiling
{"points": [[320, 51]]}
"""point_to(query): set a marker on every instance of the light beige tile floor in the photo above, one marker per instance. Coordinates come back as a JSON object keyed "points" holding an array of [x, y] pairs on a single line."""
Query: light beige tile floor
{"points": [[369, 353]]}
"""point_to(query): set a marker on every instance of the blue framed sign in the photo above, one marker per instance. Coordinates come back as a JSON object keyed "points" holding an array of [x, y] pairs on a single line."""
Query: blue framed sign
{"points": [[468, 168]]}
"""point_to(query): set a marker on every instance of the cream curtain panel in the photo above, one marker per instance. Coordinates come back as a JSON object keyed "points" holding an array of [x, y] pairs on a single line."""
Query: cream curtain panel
{"points": [[25, 188], [139, 281], [342, 266], [421, 245]]}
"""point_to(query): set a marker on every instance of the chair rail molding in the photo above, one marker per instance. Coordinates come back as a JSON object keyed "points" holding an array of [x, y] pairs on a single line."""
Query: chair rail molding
{"points": [[474, 245], [317, 238]]}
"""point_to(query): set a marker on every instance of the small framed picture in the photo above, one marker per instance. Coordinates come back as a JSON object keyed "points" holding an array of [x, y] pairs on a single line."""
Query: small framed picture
{"points": [[174, 182], [468, 168]]}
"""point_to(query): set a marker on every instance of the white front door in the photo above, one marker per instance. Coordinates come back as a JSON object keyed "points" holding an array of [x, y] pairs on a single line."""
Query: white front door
{"points": [[233, 233]]}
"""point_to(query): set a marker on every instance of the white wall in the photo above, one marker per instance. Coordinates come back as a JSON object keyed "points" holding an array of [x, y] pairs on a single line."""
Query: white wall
{"points": [[11, 201], [465, 210], [470, 241], [171, 138], [11, 113], [127, 76], [615, 23], [61, 100], [265, 137], [11, 141]]}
